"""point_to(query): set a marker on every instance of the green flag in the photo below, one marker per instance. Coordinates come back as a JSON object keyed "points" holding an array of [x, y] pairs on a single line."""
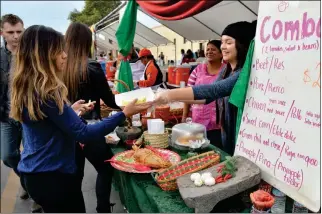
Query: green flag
{"points": [[239, 92], [125, 37]]}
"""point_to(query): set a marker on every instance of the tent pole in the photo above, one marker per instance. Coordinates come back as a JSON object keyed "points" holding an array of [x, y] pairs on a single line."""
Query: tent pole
{"points": [[175, 52]]}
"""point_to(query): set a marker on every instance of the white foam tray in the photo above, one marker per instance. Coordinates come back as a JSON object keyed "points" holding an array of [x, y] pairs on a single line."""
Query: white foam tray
{"points": [[131, 95]]}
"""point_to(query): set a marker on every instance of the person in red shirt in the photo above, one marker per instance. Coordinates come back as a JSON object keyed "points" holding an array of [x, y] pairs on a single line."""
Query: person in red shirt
{"points": [[152, 72], [188, 57]]}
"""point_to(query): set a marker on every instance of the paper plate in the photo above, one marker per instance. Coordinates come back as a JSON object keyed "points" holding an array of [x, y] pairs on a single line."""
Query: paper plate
{"points": [[127, 156]]}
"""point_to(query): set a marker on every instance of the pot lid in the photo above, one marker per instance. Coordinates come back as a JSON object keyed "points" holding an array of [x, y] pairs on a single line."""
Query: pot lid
{"points": [[189, 126]]}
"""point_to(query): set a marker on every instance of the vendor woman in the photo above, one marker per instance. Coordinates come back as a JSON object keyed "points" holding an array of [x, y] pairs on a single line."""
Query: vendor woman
{"points": [[152, 73], [235, 39]]}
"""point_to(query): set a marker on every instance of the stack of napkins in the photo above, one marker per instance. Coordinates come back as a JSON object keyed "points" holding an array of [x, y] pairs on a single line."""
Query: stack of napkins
{"points": [[155, 126]]}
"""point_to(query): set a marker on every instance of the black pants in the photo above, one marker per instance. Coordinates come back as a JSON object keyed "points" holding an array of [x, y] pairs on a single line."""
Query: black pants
{"points": [[96, 153], [55, 192], [215, 138]]}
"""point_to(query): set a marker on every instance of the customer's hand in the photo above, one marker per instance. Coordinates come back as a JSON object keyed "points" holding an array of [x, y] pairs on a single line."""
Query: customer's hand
{"points": [[80, 107], [161, 98], [132, 108]]}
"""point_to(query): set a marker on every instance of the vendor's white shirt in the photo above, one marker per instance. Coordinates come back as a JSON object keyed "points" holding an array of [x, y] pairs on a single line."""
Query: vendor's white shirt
{"points": [[137, 70]]}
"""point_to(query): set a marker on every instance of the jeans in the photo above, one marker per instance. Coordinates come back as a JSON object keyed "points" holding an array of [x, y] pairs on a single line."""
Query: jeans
{"points": [[96, 153], [56, 192], [11, 137]]}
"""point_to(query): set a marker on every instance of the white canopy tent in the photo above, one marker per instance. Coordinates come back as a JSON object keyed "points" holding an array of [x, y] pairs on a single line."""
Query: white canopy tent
{"points": [[209, 24], [144, 36], [103, 42]]}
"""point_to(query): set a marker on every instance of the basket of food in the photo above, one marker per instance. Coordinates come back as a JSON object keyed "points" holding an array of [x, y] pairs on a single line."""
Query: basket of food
{"points": [[166, 179], [106, 111], [155, 140], [162, 112], [176, 108]]}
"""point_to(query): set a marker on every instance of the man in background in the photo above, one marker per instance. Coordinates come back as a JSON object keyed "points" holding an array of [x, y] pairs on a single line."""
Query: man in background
{"points": [[11, 130], [182, 55], [102, 61]]}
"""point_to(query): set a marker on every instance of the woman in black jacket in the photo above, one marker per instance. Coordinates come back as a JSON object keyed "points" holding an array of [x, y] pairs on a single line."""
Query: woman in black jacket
{"points": [[85, 80]]}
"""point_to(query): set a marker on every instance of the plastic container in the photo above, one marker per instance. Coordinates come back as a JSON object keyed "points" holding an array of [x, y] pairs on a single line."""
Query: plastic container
{"points": [[254, 210], [280, 201], [299, 208], [110, 70], [112, 138], [146, 93], [162, 112], [171, 75], [182, 74]]}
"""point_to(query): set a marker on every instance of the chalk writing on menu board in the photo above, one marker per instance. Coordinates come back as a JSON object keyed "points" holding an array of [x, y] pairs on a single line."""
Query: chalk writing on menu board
{"points": [[280, 129]]}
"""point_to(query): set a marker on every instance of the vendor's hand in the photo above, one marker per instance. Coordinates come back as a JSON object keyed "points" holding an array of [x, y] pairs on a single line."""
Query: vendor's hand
{"points": [[161, 98], [80, 107], [135, 84], [132, 108]]}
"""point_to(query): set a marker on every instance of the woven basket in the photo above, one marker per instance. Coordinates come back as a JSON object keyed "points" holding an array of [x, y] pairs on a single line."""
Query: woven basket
{"points": [[155, 140], [167, 178], [122, 82], [105, 111], [176, 112]]}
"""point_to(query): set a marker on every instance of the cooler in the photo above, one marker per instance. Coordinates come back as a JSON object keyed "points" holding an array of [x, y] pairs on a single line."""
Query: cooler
{"points": [[182, 74], [171, 75], [110, 70]]}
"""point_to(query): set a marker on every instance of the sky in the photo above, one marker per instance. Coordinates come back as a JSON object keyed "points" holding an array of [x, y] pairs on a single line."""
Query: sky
{"points": [[52, 13]]}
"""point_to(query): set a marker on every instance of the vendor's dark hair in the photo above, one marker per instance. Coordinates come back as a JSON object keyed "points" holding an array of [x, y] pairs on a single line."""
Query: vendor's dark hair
{"points": [[216, 43], [150, 57], [189, 54]]}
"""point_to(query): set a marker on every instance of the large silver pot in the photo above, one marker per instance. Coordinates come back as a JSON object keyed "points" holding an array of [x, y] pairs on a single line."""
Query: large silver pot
{"points": [[187, 129]]}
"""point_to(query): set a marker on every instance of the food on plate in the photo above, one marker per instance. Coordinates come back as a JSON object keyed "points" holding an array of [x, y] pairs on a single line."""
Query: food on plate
{"points": [[149, 158], [140, 101], [209, 181], [198, 182], [186, 140], [206, 175]]}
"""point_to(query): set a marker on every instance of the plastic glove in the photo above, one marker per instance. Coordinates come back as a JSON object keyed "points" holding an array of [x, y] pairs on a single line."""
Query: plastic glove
{"points": [[161, 98]]}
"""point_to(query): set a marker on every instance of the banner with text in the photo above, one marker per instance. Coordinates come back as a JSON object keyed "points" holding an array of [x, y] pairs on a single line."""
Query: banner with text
{"points": [[280, 129]]}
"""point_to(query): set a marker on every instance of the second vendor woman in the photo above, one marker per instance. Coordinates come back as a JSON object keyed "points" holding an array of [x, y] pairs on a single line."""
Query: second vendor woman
{"points": [[152, 73]]}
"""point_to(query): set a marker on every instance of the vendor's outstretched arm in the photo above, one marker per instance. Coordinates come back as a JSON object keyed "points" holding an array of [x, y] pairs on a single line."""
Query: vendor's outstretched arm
{"points": [[216, 90], [194, 101], [202, 93]]}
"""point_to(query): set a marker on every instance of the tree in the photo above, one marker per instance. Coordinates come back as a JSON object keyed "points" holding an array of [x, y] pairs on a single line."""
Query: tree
{"points": [[93, 11]]}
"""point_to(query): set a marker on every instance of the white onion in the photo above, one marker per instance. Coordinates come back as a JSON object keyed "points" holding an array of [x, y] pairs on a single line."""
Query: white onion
{"points": [[198, 182], [194, 176], [206, 175], [210, 181]]}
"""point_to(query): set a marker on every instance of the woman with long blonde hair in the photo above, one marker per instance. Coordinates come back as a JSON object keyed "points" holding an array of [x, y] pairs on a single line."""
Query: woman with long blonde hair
{"points": [[50, 126]]}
